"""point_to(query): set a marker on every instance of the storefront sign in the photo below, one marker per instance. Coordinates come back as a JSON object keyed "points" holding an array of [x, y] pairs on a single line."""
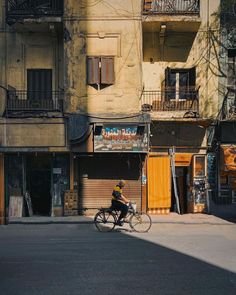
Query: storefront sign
{"points": [[121, 139]]}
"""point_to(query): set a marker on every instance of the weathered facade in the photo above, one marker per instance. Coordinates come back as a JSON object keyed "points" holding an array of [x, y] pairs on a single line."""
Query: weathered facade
{"points": [[180, 77], [71, 82], [80, 83], [224, 142]]}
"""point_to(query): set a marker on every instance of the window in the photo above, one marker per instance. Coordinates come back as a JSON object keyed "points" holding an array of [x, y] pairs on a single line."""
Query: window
{"points": [[180, 83], [100, 71], [231, 75]]}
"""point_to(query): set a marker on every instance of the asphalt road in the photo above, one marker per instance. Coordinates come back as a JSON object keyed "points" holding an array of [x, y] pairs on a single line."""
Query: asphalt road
{"points": [[66, 259]]}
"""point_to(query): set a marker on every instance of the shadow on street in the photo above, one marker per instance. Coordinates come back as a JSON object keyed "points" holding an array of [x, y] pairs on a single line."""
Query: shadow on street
{"points": [[77, 259]]}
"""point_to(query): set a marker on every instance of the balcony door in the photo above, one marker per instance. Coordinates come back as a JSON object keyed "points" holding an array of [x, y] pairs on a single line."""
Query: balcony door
{"points": [[39, 84], [179, 83], [231, 78]]}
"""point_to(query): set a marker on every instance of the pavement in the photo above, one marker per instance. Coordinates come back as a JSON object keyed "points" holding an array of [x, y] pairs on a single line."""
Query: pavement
{"points": [[196, 218]]}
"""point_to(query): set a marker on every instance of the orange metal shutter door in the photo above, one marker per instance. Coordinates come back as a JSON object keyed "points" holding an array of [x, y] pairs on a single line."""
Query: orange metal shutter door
{"points": [[159, 182]]}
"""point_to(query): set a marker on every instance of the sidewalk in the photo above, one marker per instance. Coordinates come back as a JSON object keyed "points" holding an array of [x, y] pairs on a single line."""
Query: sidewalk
{"points": [[170, 218]]}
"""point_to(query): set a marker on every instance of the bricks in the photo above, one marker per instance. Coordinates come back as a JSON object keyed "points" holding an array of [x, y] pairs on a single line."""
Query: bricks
{"points": [[71, 203]]}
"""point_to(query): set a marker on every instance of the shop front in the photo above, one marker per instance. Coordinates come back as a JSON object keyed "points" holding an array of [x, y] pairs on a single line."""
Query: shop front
{"points": [[35, 184], [177, 168], [118, 151], [227, 175]]}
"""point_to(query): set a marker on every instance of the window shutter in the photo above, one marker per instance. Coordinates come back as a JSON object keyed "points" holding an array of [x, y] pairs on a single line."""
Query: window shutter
{"points": [[93, 71], [167, 77], [107, 70], [39, 83], [192, 77]]}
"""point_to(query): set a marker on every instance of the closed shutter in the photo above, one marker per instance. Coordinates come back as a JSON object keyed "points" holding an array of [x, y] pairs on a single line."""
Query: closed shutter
{"points": [[93, 71], [170, 84], [98, 176], [39, 84], [192, 77], [107, 70], [167, 77]]}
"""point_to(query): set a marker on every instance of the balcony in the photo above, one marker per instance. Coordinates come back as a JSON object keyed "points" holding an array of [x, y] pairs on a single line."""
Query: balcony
{"points": [[177, 15], [168, 100], [34, 101], [20, 10], [171, 7]]}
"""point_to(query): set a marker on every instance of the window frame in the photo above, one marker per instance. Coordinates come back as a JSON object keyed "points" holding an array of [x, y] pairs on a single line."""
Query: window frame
{"points": [[191, 82]]}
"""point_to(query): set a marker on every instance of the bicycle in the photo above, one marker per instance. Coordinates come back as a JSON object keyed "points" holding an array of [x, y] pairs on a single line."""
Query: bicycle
{"points": [[106, 219]]}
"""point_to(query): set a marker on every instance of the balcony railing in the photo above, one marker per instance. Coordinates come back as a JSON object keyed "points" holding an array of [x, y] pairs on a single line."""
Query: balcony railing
{"points": [[33, 8], [171, 6], [35, 101], [170, 100]]}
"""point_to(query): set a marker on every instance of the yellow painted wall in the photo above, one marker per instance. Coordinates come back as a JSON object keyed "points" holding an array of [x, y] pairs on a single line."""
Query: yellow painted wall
{"points": [[104, 29], [185, 47]]}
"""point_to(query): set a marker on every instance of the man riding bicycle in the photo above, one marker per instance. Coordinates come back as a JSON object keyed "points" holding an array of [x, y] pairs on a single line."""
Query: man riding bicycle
{"points": [[119, 201]]}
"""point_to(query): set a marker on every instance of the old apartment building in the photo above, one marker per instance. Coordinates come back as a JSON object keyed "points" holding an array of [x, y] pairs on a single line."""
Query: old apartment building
{"points": [[92, 92]]}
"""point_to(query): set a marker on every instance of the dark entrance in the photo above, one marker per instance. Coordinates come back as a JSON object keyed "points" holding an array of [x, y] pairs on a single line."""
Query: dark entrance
{"points": [[38, 180], [181, 181]]}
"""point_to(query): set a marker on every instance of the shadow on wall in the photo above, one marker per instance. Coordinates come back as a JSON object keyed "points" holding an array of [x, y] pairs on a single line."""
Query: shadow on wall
{"points": [[176, 47]]}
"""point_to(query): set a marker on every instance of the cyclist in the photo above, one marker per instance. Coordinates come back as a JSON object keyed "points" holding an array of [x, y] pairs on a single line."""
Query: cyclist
{"points": [[119, 201]]}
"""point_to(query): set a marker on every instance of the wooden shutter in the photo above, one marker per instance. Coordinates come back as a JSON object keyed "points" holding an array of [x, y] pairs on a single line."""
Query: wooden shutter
{"points": [[107, 70], [93, 71], [39, 84], [167, 77], [192, 77]]}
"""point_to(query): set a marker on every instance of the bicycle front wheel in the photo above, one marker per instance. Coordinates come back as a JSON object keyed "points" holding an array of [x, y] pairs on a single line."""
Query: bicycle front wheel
{"points": [[104, 221], [140, 222]]}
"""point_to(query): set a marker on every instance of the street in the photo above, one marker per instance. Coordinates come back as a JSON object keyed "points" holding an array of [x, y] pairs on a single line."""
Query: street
{"points": [[74, 258]]}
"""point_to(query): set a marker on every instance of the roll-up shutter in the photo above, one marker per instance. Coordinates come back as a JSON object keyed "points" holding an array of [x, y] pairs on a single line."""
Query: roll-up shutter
{"points": [[99, 174]]}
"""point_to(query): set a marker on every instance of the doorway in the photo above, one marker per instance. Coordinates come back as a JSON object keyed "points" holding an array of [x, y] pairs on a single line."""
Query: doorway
{"points": [[38, 183], [182, 188]]}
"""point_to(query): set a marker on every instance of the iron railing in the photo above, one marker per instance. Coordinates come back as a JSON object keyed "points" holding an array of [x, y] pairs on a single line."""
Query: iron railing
{"points": [[170, 100], [35, 101], [33, 8], [171, 7]]}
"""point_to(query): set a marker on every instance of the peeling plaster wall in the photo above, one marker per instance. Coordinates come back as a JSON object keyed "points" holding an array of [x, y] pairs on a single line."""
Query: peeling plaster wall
{"points": [[90, 28], [31, 51], [30, 46]]}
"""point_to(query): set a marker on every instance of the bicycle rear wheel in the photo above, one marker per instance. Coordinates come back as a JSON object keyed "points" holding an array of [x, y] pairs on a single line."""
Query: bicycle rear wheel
{"points": [[140, 222], [104, 221]]}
